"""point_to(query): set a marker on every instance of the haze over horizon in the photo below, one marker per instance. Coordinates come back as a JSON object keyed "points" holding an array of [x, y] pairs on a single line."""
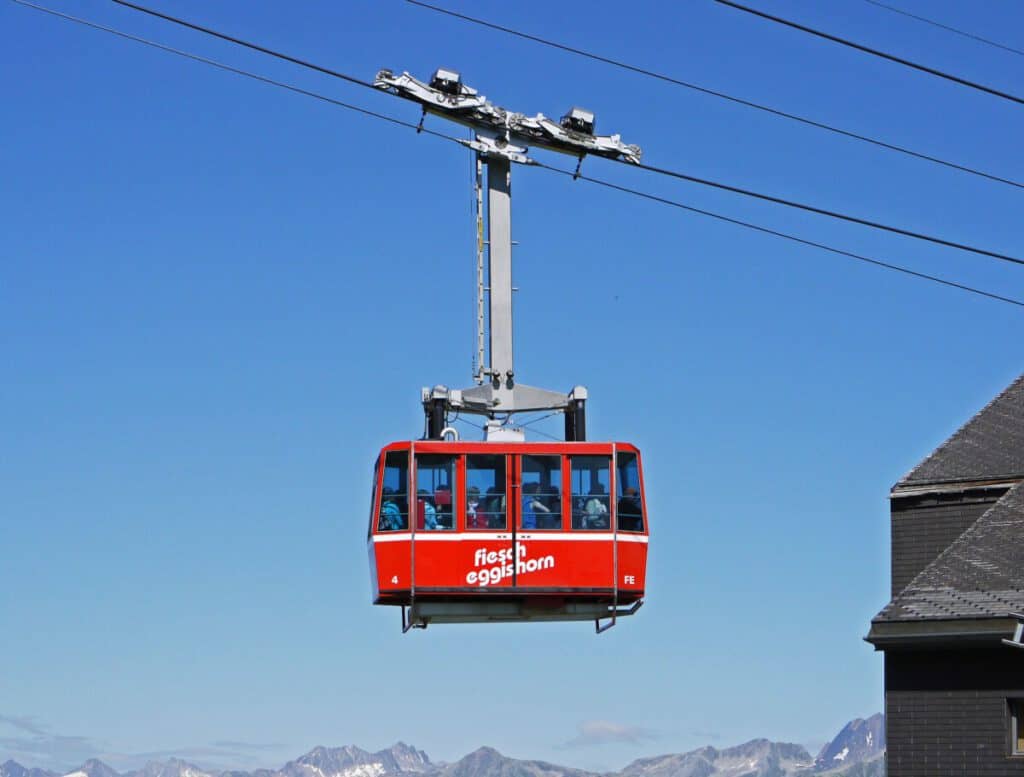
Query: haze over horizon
{"points": [[859, 745]]}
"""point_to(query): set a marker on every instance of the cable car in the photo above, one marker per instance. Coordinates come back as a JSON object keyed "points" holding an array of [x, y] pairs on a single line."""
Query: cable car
{"points": [[504, 529], [508, 531]]}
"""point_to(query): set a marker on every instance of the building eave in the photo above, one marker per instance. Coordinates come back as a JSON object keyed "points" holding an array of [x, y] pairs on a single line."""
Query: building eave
{"points": [[940, 633], [953, 486]]}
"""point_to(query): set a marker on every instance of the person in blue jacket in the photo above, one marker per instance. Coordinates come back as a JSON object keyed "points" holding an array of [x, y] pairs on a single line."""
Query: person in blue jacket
{"points": [[532, 505], [391, 518], [429, 511]]}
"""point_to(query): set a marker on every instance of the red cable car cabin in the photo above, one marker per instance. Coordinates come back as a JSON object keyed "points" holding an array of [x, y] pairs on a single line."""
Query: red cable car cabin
{"points": [[465, 532]]}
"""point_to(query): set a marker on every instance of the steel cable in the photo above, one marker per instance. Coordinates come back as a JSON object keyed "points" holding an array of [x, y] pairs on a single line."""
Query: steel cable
{"points": [[722, 95], [571, 174], [663, 171], [874, 52], [934, 23]]}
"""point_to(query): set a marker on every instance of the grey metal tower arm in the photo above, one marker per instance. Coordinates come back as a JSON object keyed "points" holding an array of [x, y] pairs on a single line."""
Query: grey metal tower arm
{"points": [[448, 97]]}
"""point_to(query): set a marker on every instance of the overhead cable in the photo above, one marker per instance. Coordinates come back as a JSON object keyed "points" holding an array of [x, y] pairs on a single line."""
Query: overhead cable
{"points": [[783, 235], [934, 23], [825, 212], [557, 170], [231, 69], [874, 52], [663, 171], [245, 43], [722, 95]]}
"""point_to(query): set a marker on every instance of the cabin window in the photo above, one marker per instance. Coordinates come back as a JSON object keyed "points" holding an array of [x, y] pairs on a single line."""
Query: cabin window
{"points": [[590, 506], [485, 492], [394, 501], [541, 492], [373, 495], [629, 505], [435, 479], [1016, 726]]}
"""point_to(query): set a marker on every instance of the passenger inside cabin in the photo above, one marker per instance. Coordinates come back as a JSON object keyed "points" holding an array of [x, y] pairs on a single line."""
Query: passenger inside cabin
{"points": [[391, 514], [443, 505], [554, 503], [629, 511], [427, 512], [475, 518], [487, 506], [535, 512], [495, 508], [595, 509]]}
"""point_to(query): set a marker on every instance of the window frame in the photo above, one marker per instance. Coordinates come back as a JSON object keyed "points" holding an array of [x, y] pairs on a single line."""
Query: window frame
{"points": [[1015, 726], [453, 475], [375, 495], [640, 497], [608, 495], [561, 458], [464, 480], [379, 492]]}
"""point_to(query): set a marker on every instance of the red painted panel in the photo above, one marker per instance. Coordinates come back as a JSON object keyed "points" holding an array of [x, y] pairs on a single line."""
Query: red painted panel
{"points": [[632, 565], [481, 561], [446, 562], [374, 579], [393, 564], [555, 560]]}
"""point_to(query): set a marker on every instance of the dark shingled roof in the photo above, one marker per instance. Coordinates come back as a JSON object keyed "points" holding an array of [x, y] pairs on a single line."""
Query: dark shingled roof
{"points": [[988, 447], [981, 575]]}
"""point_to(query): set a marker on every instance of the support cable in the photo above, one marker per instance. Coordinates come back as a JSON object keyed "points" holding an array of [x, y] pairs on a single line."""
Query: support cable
{"points": [[675, 174], [569, 173], [722, 95], [542, 418], [874, 52], [542, 433], [934, 23], [466, 421]]}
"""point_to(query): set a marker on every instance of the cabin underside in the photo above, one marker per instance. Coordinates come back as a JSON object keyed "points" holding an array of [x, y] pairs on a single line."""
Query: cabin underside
{"points": [[421, 614]]}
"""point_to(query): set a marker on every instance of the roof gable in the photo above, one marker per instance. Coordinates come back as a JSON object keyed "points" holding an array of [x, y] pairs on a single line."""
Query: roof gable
{"points": [[990, 446], [981, 575]]}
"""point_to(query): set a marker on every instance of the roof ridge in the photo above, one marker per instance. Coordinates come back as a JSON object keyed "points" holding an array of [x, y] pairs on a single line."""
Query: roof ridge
{"points": [[955, 436]]}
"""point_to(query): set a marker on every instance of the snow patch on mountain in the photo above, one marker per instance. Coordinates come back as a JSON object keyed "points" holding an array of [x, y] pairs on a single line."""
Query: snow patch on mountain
{"points": [[363, 770], [859, 741]]}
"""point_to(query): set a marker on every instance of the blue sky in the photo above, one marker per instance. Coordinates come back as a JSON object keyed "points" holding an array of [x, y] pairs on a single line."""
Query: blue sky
{"points": [[219, 299]]}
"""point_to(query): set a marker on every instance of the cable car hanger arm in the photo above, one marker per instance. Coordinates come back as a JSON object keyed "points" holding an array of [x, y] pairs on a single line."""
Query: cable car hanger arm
{"points": [[446, 96]]}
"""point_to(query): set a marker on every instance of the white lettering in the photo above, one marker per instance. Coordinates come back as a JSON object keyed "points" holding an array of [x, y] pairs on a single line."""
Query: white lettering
{"points": [[629, 580], [502, 567]]}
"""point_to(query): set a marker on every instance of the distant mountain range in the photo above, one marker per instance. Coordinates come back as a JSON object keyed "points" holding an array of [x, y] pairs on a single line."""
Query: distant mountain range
{"points": [[857, 751]]}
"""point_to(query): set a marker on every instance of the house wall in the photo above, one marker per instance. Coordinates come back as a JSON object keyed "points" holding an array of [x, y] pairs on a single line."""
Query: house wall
{"points": [[947, 713], [924, 526]]}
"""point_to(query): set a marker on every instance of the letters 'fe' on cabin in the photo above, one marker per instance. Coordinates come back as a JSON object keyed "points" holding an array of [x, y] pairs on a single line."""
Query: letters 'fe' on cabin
{"points": [[954, 662]]}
